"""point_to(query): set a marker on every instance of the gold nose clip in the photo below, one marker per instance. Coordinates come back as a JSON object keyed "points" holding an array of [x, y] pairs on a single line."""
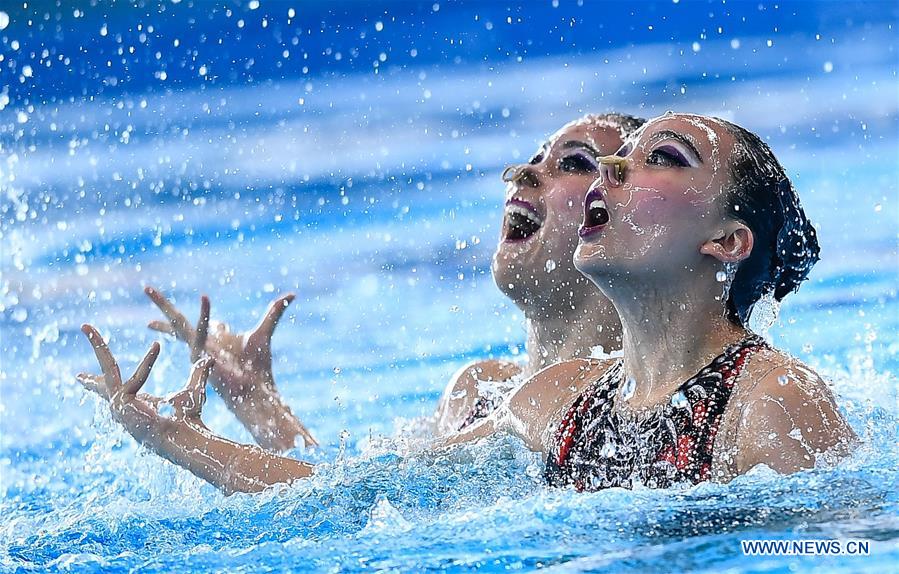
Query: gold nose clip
{"points": [[616, 161], [512, 173]]}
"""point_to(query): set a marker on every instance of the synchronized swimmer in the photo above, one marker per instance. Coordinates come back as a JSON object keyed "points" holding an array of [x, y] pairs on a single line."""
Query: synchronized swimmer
{"points": [[687, 226]]}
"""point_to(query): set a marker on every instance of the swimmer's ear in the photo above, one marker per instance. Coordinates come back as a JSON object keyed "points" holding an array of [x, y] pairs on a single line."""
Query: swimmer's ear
{"points": [[730, 244]]}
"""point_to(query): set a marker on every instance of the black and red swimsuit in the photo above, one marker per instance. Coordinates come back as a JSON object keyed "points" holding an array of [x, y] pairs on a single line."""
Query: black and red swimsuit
{"points": [[598, 446]]}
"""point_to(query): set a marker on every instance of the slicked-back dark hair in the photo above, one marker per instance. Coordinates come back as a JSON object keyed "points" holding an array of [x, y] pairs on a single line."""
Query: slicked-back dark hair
{"points": [[785, 243]]}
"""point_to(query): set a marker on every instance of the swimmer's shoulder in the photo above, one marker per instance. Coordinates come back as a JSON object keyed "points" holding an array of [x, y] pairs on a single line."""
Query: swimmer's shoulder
{"points": [[785, 415], [465, 381], [488, 370], [462, 391], [542, 399], [772, 374], [562, 380]]}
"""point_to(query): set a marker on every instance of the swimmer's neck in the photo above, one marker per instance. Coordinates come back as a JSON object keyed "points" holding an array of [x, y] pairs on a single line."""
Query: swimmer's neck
{"points": [[671, 330], [570, 331]]}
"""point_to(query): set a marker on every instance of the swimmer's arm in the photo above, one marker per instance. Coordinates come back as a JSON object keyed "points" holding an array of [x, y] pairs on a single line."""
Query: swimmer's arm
{"points": [[182, 438], [789, 420], [461, 393], [242, 374], [535, 408], [227, 465]]}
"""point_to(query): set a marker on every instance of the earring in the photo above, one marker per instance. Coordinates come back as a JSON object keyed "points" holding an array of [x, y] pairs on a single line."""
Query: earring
{"points": [[730, 271]]}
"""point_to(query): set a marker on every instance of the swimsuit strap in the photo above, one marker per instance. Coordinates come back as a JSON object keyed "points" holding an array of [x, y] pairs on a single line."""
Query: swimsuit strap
{"points": [[600, 396], [698, 406]]}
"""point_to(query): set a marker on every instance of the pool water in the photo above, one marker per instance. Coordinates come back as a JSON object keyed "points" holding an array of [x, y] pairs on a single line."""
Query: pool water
{"points": [[368, 184]]}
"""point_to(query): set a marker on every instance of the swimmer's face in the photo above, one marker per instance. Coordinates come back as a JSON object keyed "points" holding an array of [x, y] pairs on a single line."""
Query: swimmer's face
{"points": [[653, 220], [543, 211]]}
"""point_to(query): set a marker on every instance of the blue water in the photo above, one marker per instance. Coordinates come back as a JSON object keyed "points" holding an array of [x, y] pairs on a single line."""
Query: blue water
{"points": [[369, 185]]}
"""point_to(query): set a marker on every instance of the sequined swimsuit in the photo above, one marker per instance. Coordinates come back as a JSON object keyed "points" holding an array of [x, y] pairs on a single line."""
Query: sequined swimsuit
{"points": [[598, 446]]}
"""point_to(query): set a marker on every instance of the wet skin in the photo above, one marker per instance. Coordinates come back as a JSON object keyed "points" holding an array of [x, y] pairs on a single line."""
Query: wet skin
{"points": [[533, 266], [654, 239], [535, 270], [669, 203]]}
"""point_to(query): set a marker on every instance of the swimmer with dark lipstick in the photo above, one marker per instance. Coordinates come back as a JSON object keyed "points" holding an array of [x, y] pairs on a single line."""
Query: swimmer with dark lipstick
{"points": [[696, 396]]}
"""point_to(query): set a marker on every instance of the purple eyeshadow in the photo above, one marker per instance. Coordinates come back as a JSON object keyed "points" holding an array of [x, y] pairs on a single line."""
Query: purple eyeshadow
{"points": [[674, 153]]}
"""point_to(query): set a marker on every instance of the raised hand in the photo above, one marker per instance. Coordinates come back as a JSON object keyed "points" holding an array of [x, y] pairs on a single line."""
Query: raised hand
{"points": [[181, 437], [243, 370], [139, 413]]}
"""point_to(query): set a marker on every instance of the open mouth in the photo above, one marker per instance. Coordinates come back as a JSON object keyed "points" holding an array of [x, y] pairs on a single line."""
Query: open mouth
{"points": [[522, 220], [596, 214]]}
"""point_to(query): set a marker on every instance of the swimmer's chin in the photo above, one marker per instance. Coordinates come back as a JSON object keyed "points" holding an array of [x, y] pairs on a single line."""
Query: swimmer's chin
{"points": [[589, 257]]}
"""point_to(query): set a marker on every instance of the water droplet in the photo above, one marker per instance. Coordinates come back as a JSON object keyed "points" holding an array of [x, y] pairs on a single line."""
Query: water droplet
{"points": [[783, 380], [721, 276], [608, 450], [629, 388], [679, 400], [337, 370], [550, 265]]}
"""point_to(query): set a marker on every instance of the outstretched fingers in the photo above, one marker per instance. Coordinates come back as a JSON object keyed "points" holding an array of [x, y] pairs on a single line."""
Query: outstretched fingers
{"points": [[111, 374], [93, 383], [199, 343], [259, 340], [189, 402], [137, 380], [181, 327], [161, 326]]}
